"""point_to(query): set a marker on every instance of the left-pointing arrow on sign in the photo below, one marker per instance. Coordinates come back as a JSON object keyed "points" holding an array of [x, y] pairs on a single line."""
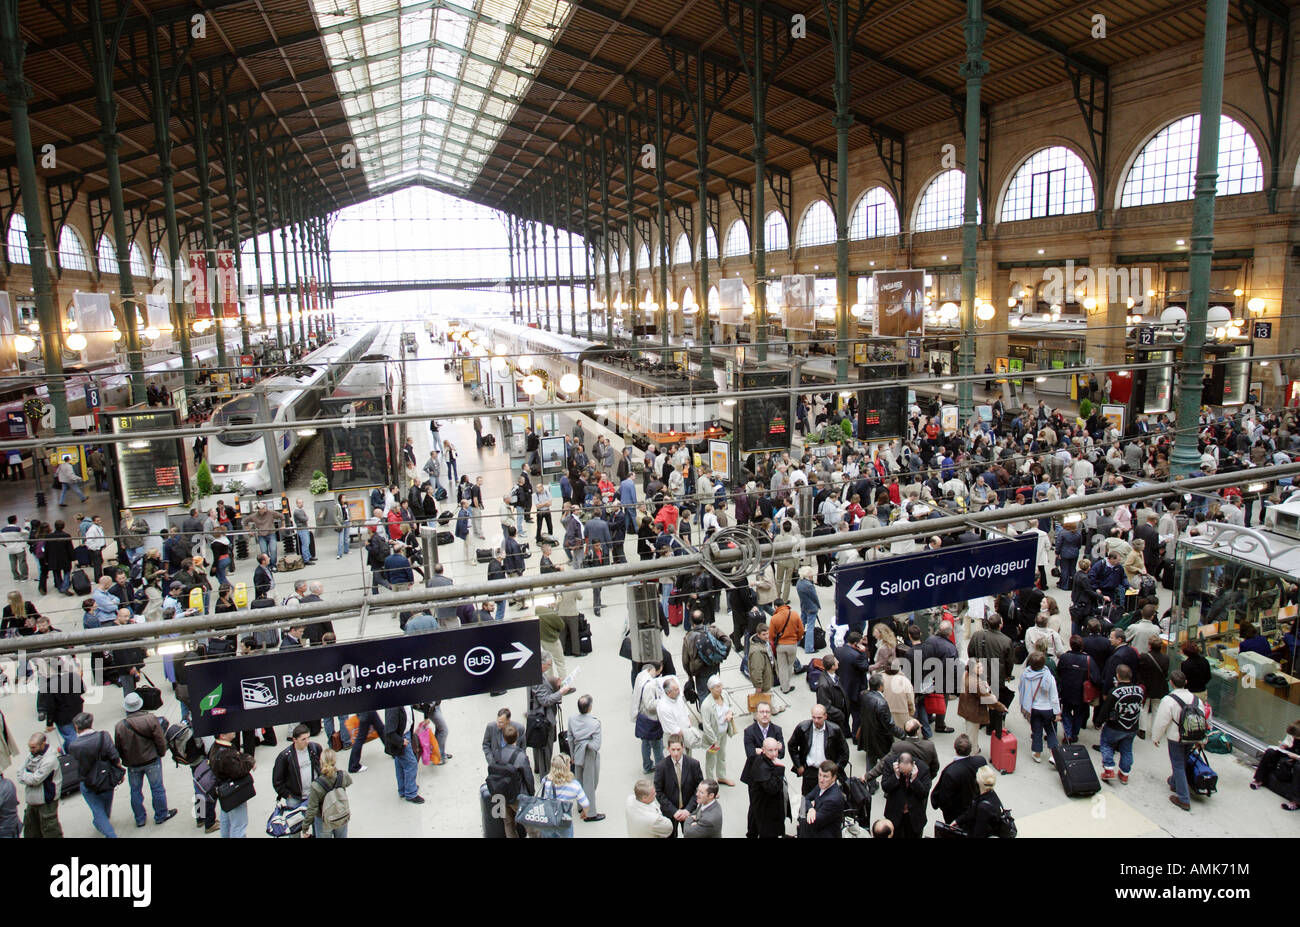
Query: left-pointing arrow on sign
{"points": [[519, 655], [855, 594]]}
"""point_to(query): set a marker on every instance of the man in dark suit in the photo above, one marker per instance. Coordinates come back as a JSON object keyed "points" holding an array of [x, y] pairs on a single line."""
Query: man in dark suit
{"points": [[262, 578], [830, 695], [906, 783], [514, 559], [824, 814], [912, 742], [813, 742], [769, 802], [494, 739], [677, 777], [956, 787], [760, 730], [878, 730], [854, 664], [1150, 536]]}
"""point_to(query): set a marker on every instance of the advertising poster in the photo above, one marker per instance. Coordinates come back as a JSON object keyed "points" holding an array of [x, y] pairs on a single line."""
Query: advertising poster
{"points": [[227, 285], [8, 353], [860, 354], [553, 456], [720, 458], [1114, 415], [731, 300], [798, 296], [94, 315], [900, 302], [198, 286]]}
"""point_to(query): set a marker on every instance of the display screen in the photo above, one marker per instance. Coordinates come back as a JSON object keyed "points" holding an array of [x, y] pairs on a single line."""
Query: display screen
{"points": [[764, 422], [152, 473], [882, 409], [1157, 394], [358, 455]]}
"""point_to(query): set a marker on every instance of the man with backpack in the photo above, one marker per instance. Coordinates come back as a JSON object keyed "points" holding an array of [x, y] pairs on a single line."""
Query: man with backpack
{"points": [[1181, 719], [703, 651], [90, 749], [510, 776], [1122, 710]]}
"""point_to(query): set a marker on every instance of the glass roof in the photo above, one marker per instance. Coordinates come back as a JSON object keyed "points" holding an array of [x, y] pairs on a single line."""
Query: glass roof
{"points": [[429, 86]]}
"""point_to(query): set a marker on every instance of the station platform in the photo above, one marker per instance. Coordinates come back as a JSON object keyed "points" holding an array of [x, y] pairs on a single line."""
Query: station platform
{"points": [[1033, 792]]}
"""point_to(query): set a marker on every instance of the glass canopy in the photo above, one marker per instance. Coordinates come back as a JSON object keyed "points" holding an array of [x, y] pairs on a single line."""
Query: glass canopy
{"points": [[429, 86]]}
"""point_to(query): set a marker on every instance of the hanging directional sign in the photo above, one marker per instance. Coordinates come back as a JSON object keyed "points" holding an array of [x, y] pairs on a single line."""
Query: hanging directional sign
{"points": [[243, 693], [895, 585]]}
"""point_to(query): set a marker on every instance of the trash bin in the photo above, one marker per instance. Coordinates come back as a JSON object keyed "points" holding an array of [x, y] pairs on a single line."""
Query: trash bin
{"points": [[494, 826]]}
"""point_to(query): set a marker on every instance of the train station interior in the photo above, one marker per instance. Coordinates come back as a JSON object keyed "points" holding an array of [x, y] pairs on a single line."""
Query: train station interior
{"points": [[298, 245]]}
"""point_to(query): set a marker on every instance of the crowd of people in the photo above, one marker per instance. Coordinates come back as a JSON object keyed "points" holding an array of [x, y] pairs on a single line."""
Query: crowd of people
{"points": [[883, 688]]}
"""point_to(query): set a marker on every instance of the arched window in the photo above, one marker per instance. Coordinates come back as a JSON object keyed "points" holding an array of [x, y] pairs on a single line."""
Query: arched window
{"points": [[737, 244], [715, 300], [875, 216], [943, 203], [643, 257], [139, 266], [627, 260], [688, 298], [776, 234], [614, 266], [1164, 171], [72, 253], [817, 227], [1052, 182], [682, 250], [161, 268], [711, 243], [16, 240], [107, 256]]}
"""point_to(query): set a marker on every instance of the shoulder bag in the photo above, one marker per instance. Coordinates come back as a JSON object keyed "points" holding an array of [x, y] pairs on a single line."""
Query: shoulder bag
{"points": [[647, 728], [542, 813], [103, 776], [234, 793]]}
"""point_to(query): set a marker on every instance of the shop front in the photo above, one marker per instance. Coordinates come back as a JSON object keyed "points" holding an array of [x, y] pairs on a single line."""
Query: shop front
{"points": [[1236, 599]]}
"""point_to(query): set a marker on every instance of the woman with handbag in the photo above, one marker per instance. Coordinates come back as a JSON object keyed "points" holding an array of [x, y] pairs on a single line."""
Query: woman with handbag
{"points": [[975, 702], [556, 796], [719, 724], [1079, 679], [234, 784]]}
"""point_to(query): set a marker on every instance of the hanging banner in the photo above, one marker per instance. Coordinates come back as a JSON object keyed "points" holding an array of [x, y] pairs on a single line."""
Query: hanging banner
{"points": [[900, 302], [313, 289], [158, 314], [227, 294], [8, 353], [93, 313], [798, 296], [198, 285], [731, 300]]}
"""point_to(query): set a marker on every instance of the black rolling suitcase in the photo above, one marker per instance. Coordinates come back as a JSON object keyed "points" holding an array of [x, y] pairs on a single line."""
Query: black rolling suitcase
{"points": [[1167, 574], [79, 582], [494, 822], [1074, 765]]}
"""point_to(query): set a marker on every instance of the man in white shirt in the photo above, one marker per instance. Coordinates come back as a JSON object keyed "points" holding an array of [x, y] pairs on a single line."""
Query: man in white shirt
{"points": [[95, 543], [1083, 469]]}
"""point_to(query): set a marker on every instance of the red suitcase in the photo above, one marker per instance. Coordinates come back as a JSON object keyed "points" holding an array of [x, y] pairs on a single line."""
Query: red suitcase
{"points": [[1002, 752], [675, 614]]}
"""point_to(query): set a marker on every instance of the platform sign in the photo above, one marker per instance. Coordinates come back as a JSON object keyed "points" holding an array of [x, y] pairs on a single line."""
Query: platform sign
{"points": [[92, 396], [1146, 336], [152, 470], [1263, 330], [244, 693], [895, 585], [914, 348]]}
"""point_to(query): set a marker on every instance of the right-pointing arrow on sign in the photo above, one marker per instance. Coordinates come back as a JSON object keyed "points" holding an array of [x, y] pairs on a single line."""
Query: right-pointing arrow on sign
{"points": [[519, 655], [855, 594]]}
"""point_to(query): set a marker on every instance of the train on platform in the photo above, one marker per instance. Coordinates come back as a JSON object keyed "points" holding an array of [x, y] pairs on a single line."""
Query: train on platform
{"points": [[644, 401], [367, 455], [293, 399], [114, 382]]}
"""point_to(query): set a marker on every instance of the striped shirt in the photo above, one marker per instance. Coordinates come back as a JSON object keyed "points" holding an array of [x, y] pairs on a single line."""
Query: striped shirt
{"points": [[568, 791]]}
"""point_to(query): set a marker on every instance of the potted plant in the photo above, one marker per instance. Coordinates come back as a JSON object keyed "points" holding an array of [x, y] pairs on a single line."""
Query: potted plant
{"points": [[320, 484]]}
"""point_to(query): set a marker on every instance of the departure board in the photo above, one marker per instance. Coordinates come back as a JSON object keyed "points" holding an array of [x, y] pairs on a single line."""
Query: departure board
{"points": [[882, 409], [765, 423], [151, 470], [357, 455]]}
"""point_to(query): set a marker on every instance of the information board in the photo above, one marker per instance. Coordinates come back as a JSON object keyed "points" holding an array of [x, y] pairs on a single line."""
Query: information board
{"points": [[356, 455], [152, 470], [764, 422], [881, 409]]}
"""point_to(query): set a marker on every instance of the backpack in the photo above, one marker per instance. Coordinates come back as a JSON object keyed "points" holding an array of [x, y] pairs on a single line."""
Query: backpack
{"points": [[1192, 726], [185, 748], [710, 649], [334, 808], [505, 780]]}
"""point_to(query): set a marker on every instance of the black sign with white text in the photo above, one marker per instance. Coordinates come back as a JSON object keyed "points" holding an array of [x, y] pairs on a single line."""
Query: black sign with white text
{"points": [[242, 693]]}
